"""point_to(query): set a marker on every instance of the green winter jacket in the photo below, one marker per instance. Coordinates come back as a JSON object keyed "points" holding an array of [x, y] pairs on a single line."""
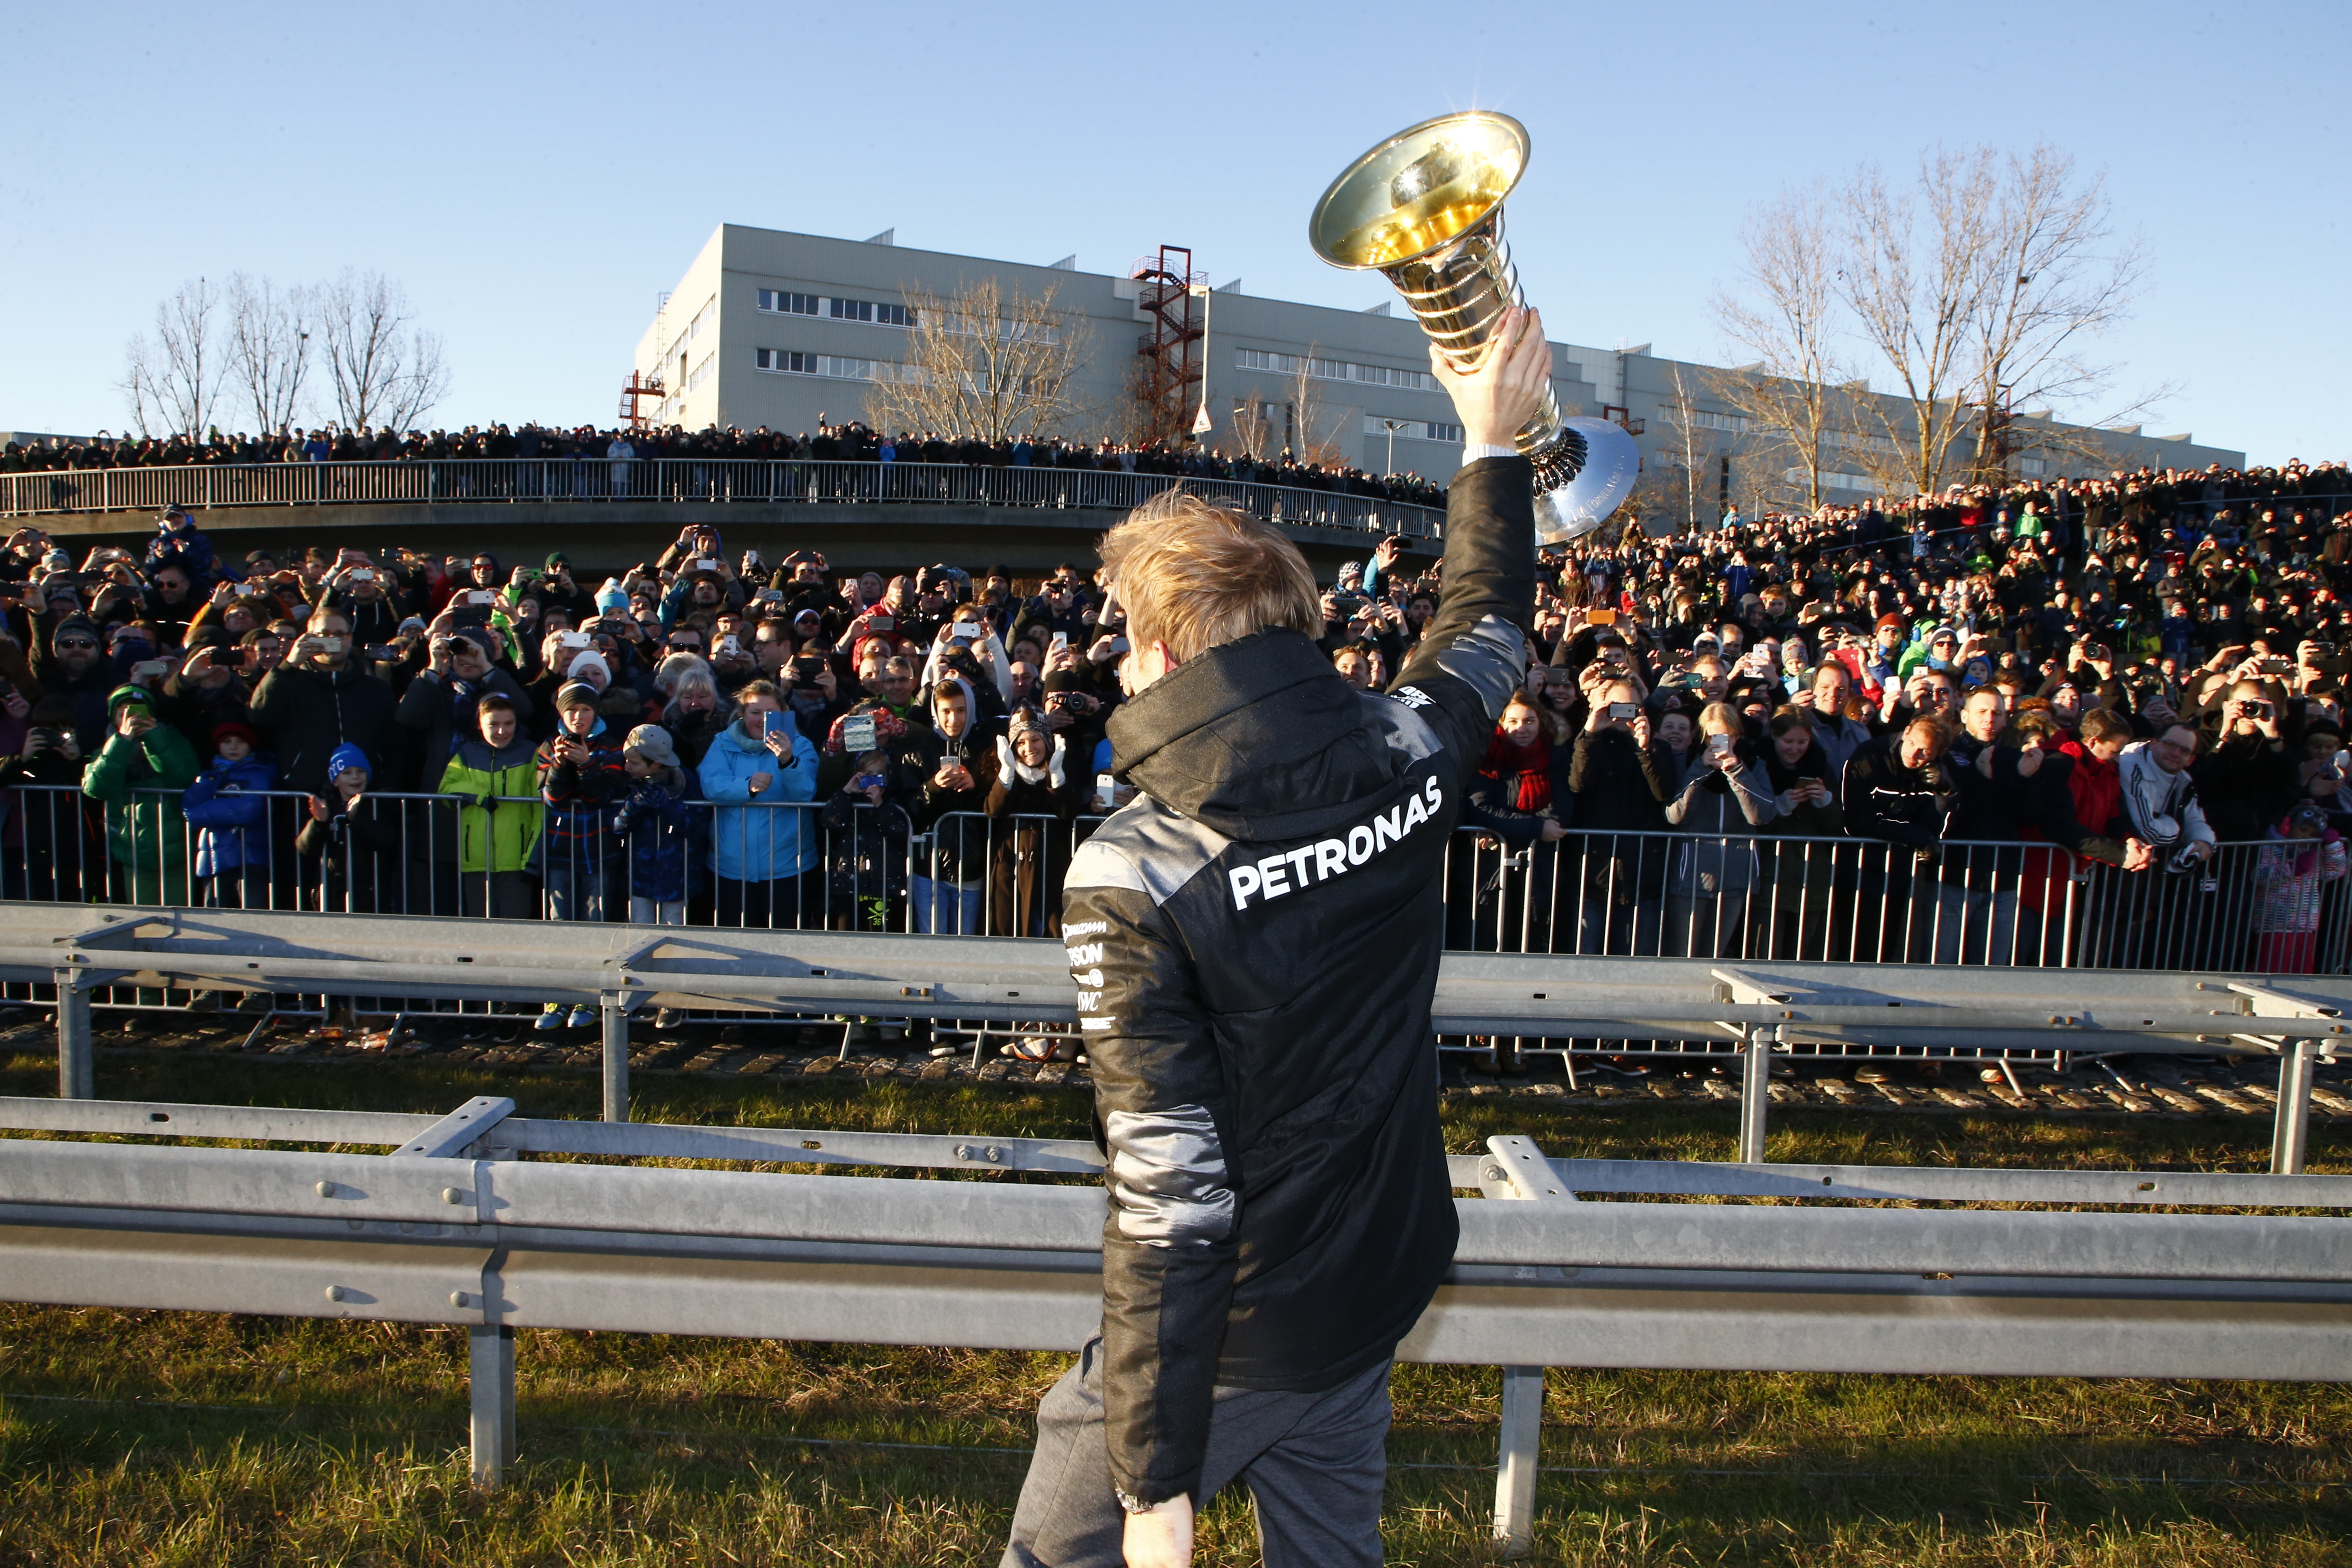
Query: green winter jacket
{"points": [[494, 834], [146, 831]]}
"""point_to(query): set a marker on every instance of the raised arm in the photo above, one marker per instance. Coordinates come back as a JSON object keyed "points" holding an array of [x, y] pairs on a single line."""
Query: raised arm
{"points": [[1478, 635]]}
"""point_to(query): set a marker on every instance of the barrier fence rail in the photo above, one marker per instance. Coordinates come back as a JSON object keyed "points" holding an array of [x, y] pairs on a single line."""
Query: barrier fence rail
{"points": [[2265, 905], [589, 480], [457, 1225]]}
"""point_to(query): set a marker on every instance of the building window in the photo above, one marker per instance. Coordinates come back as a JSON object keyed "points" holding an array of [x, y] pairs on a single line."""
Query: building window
{"points": [[701, 318], [791, 362], [789, 304], [1414, 429], [701, 372], [2032, 466], [1334, 370]]}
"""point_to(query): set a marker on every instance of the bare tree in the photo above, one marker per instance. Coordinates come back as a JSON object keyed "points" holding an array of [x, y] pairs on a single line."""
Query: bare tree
{"points": [[269, 331], [386, 370], [1786, 316], [1914, 282], [1313, 429], [1253, 425], [1688, 445], [2053, 278], [985, 361], [174, 381]]}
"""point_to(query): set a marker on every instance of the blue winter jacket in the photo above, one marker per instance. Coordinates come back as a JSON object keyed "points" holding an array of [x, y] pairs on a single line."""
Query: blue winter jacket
{"points": [[662, 831], [759, 842], [228, 804]]}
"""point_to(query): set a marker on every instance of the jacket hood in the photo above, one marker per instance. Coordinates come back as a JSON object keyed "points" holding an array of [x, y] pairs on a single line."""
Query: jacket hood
{"points": [[475, 752], [1258, 739]]}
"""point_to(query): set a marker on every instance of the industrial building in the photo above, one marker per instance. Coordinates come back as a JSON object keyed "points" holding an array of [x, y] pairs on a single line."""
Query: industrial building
{"points": [[781, 329]]}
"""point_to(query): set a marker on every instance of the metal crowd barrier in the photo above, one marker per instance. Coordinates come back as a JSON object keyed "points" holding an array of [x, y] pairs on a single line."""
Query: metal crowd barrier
{"points": [[863, 867], [1853, 900], [713, 480]]}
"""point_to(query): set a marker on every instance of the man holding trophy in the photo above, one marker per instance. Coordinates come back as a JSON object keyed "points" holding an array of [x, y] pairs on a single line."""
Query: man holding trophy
{"points": [[1256, 944]]}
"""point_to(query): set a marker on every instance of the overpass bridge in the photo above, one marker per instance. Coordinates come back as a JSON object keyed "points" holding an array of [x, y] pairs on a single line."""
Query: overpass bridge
{"points": [[607, 515]]}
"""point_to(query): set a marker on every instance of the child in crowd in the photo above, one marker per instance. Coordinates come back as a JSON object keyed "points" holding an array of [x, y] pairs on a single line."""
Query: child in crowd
{"points": [[657, 825], [580, 776], [499, 825], [2303, 855], [137, 775], [229, 804], [349, 842]]}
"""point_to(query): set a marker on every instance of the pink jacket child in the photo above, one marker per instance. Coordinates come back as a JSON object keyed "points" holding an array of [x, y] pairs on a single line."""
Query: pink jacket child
{"points": [[2289, 874]]}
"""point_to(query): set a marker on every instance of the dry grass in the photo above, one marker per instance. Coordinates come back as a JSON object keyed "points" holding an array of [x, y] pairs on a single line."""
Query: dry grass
{"points": [[158, 1438]]}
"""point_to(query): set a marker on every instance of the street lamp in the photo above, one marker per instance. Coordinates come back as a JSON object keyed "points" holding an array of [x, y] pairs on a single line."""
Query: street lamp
{"points": [[1392, 426], [1201, 423]]}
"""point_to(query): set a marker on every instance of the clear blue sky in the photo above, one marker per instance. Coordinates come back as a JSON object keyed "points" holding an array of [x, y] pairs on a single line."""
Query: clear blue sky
{"points": [[535, 179]]}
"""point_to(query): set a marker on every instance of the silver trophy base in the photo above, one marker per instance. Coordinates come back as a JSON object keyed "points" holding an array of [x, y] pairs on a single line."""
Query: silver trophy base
{"points": [[1558, 459], [1558, 519]]}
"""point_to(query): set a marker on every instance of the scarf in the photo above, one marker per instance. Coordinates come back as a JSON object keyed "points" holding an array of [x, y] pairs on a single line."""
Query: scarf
{"points": [[1528, 767]]}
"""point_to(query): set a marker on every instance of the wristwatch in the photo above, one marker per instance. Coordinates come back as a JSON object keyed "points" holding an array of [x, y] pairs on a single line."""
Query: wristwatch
{"points": [[1132, 1503]]}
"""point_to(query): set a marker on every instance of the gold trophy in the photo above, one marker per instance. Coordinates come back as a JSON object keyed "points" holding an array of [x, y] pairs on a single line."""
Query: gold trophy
{"points": [[1425, 208]]}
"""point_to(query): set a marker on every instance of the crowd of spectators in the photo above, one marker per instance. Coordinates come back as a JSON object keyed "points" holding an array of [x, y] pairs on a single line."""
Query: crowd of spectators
{"points": [[1868, 732], [845, 442], [1873, 734]]}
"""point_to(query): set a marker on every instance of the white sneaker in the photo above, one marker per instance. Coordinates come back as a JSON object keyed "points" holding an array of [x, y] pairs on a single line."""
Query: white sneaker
{"points": [[583, 1016], [550, 1018]]}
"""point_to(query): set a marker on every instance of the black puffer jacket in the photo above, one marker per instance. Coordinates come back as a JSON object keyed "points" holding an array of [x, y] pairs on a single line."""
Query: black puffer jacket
{"points": [[1255, 943]]}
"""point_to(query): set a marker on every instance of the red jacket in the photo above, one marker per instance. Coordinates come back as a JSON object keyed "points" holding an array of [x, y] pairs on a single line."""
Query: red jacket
{"points": [[2099, 788]]}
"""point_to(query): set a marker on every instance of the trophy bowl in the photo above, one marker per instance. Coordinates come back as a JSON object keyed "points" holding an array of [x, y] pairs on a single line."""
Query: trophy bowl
{"points": [[1424, 208]]}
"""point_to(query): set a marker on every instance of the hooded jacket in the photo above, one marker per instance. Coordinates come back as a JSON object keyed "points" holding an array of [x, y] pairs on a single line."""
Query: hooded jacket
{"points": [[661, 831], [1254, 940], [229, 801], [144, 831], [758, 838], [495, 833]]}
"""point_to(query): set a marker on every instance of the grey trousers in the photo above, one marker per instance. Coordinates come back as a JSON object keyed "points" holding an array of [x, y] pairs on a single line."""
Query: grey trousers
{"points": [[1315, 1465]]}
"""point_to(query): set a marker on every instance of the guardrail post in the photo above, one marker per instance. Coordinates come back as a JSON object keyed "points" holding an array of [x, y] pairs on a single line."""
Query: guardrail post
{"points": [[1755, 1091], [77, 1063], [616, 1015], [2292, 1127], [1515, 1475], [491, 1354], [1517, 1169]]}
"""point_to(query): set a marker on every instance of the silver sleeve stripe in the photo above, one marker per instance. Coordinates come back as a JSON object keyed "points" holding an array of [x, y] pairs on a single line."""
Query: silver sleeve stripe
{"points": [[1491, 659], [1168, 1178], [1147, 848], [1402, 729]]}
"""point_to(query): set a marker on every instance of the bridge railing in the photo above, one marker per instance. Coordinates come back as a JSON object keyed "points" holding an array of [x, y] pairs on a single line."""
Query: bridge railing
{"points": [[591, 481]]}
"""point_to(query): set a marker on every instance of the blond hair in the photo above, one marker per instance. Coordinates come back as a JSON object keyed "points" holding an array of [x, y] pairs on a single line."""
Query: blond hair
{"points": [[1193, 573]]}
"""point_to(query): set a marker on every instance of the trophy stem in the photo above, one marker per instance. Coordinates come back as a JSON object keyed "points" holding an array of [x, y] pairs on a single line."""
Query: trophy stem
{"points": [[1459, 295]]}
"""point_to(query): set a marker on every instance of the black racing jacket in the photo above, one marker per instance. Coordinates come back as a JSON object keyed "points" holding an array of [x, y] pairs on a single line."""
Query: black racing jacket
{"points": [[1255, 943]]}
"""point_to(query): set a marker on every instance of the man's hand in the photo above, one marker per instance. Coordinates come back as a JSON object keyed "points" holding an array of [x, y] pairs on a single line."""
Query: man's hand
{"points": [[2138, 856], [1500, 394], [1162, 1538]]}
